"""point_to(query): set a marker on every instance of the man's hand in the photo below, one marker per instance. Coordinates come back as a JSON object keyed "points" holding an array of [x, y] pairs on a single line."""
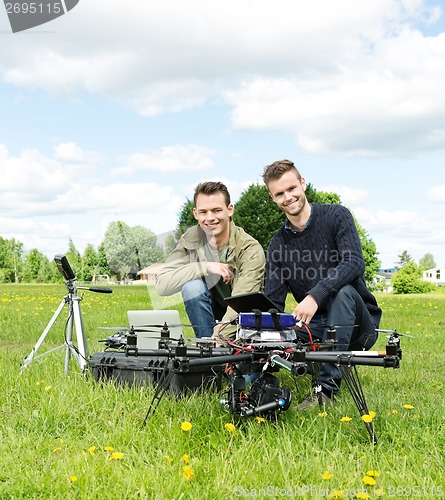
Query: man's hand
{"points": [[224, 270], [306, 310]]}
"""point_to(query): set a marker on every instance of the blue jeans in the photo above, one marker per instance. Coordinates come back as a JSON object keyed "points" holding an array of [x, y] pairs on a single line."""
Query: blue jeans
{"points": [[345, 308], [201, 309]]}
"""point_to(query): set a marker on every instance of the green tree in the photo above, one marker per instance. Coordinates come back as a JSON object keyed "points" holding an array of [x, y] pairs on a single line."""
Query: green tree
{"points": [[118, 246], [404, 258], [408, 279], [427, 262], [10, 260], [102, 262], [130, 249], [325, 198], [37, 268], [370, 255], [146, 248], [257, 214], [90, 263], [186, 218]]}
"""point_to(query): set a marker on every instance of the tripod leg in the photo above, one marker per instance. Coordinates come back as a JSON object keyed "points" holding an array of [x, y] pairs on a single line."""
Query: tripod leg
{"points": [[31, 355], [82, 345], [80, 352], [69, 337]]}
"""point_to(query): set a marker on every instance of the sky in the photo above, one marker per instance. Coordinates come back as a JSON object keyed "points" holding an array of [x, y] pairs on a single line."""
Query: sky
{"points": [[116, 110]]}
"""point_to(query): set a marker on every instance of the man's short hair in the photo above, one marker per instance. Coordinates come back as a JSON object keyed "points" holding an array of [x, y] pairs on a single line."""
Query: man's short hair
{"points": [[275, 170], [209, 188]]}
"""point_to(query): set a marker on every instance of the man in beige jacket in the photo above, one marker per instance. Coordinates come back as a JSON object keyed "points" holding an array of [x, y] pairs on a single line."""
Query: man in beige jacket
{"points": [[213, 260]]}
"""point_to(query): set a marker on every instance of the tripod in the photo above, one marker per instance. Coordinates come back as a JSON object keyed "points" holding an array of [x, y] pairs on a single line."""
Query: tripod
{"points": [[80, 353]]}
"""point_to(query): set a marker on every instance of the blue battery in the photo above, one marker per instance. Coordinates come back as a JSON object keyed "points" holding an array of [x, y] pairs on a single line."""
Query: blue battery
{"points": [[279, 321]]}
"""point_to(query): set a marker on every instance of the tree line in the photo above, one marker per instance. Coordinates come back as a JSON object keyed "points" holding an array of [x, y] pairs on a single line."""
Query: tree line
{"points": [[123, 252], [126, 250]]}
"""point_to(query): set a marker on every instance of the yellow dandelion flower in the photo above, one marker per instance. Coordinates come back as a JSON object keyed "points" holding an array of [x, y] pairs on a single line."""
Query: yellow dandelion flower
{"points": [[373, 473], [187, 472], [372, 414], [369, 480], [260, 419], [230, 428], [335, 494], [367, 418], [58, 449], [186, 426], [326, 475], [108, 448], [362, 494], [323, 414], [47, 388], [345, 419], [117, 455], [395, 412], [73, 479], [408, 407], [379, 492], [185, 458], [92, 450]]}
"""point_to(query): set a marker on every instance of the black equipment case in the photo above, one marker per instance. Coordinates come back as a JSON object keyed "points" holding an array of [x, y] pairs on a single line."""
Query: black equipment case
{"points": [[145, 369]]}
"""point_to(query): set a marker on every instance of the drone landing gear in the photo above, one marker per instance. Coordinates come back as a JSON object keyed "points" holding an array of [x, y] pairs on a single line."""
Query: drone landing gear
{"points": [[161, 388], [352, 381], [80, 353]]}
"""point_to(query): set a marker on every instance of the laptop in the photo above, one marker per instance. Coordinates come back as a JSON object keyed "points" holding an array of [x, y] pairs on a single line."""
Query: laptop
{"points": [[146, 318], [247, 302]]}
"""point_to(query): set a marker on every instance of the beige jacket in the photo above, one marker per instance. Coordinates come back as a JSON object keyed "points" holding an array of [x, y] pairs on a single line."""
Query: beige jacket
{"points": [[188, 262]]}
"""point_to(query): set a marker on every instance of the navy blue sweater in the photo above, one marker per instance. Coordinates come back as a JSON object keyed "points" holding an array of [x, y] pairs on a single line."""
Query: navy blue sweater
{"points": [[319, 260]]}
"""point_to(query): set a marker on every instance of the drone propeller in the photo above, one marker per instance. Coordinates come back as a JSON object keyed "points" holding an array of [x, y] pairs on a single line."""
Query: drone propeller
{"points": [[394, 332], [167, 325], [326, 325], [126, 329]]}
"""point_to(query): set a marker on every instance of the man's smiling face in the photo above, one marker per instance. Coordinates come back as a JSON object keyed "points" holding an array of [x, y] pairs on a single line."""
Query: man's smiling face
{"points": [[288, 193], [213, 215]]}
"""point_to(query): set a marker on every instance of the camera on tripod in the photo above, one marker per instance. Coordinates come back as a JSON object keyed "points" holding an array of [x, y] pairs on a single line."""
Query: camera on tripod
{"points": [[74, 321], [64, 267]]}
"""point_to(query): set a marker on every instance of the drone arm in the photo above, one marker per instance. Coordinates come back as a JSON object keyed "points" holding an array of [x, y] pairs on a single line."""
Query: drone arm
{"points": [[186, 365], [299, 369], [349, 359]]}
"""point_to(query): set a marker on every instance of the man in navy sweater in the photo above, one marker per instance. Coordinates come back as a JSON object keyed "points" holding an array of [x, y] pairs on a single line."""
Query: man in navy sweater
{"points": [[317, 256]]}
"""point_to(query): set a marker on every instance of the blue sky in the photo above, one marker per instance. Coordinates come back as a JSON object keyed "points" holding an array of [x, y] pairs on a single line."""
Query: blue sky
{"points": [[116, 110]]}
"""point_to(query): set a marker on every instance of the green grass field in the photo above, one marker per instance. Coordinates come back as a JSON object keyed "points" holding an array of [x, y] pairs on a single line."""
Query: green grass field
{"points": [[67, 436]]}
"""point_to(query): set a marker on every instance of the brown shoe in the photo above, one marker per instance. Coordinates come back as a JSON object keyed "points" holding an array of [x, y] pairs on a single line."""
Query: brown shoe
{"points": [[315, 399]]}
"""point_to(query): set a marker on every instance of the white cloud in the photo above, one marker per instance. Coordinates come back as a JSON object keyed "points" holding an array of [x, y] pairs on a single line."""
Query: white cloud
{"points": [[31, 177], [437, 194], [344, 77], [176, 158], [351, 197], [71, 153]]}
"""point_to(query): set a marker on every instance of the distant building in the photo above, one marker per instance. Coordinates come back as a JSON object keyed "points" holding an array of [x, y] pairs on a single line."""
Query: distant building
{"points": [[436, 275], [383, 278]]}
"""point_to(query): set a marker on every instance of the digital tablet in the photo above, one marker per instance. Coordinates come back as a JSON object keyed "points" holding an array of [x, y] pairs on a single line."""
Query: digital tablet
{"points": [[247, 302]]}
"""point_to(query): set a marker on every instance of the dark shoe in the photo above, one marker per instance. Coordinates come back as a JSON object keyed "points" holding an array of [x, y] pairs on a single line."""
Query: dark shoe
{"points": [[315, 399]]}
